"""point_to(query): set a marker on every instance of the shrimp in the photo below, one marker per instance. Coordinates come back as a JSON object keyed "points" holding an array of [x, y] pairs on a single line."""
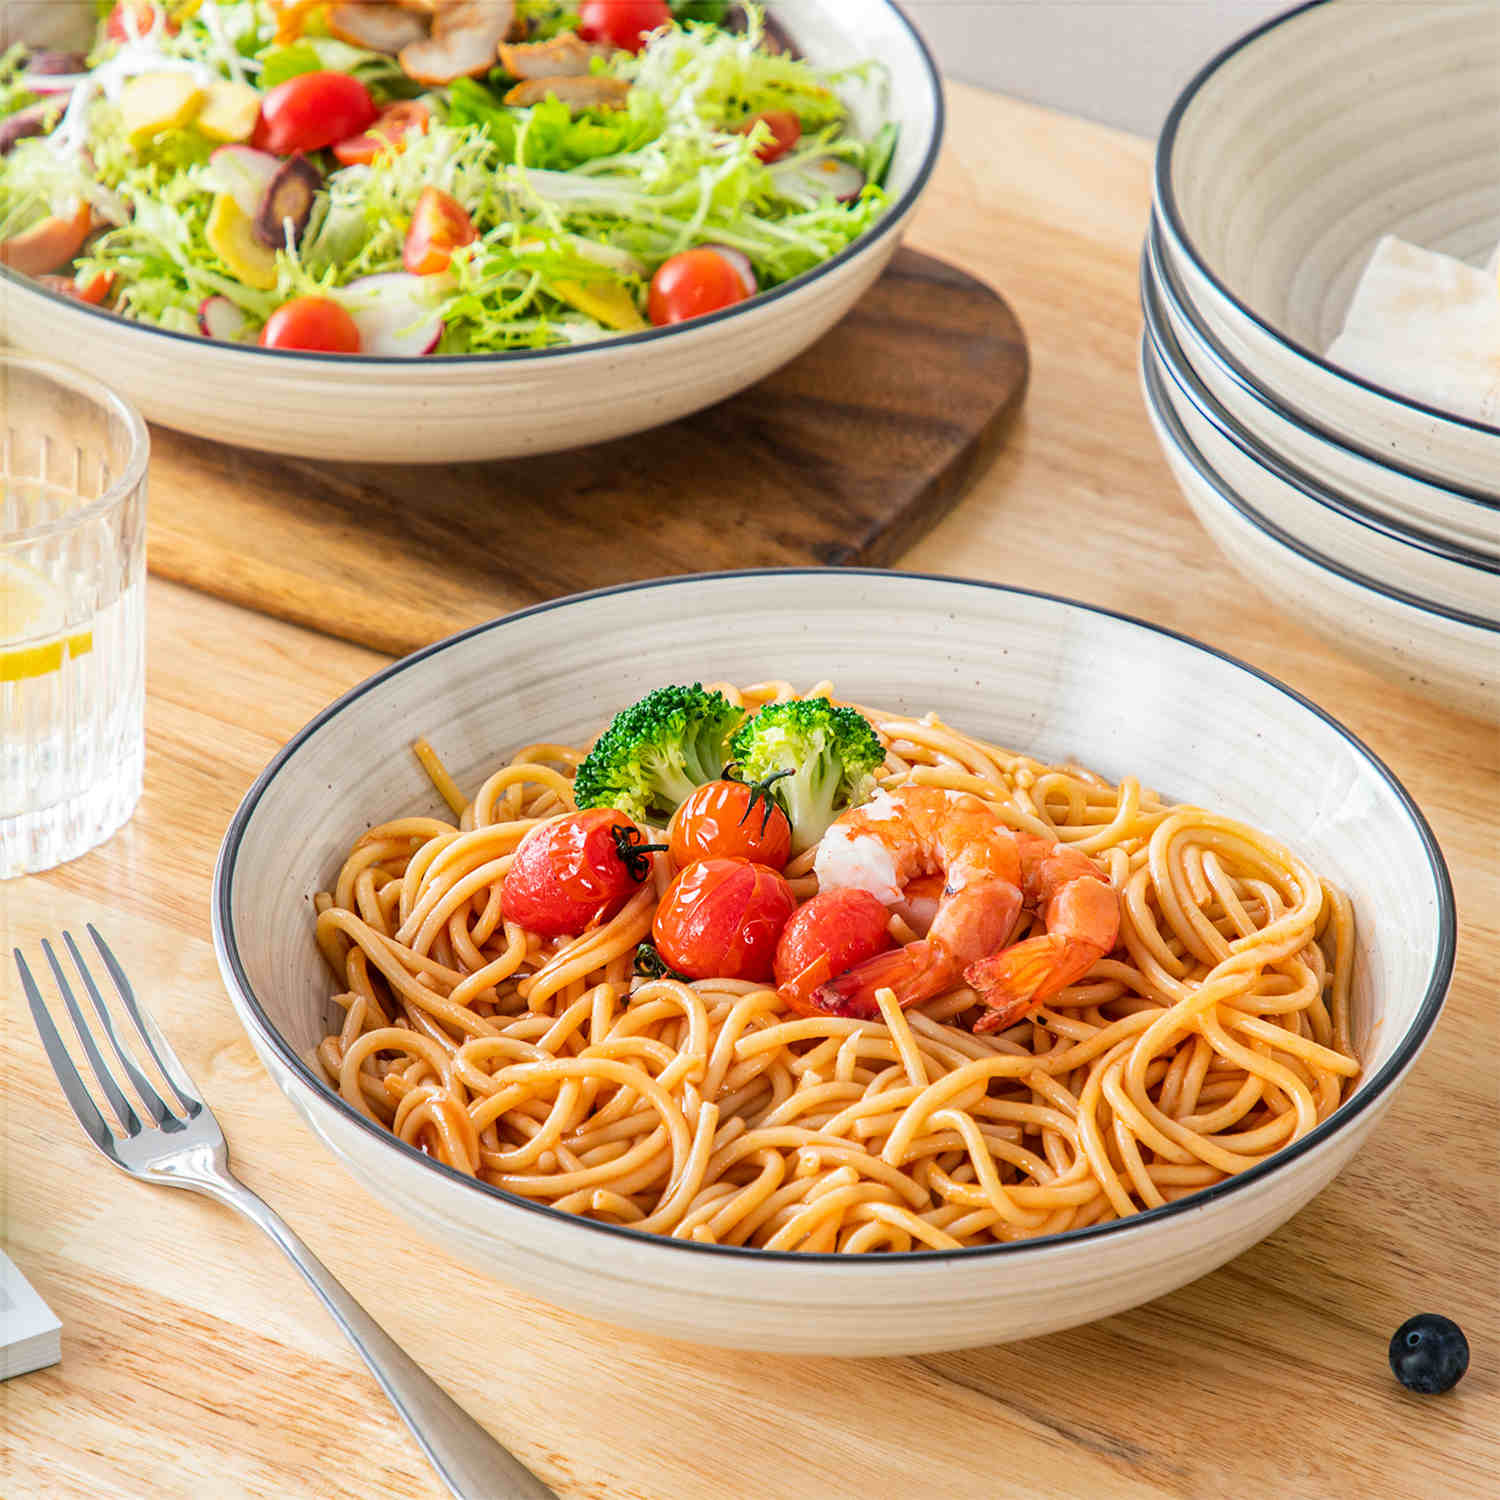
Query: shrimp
{"points": [[894, 844]]}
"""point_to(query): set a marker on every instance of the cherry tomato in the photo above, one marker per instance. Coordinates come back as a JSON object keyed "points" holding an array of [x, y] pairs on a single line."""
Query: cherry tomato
{"points": [[311, 323], [394, 123], [145, 18], [438, 227], [785, 128], [720, 919], [726, 819], [691, 284], [826, 937], [569, 872], [94, 292], [621, 23], [311, 111]]}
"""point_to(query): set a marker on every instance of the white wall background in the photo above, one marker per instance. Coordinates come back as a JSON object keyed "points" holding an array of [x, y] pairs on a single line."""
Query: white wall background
{"points": [[1119, 61]]}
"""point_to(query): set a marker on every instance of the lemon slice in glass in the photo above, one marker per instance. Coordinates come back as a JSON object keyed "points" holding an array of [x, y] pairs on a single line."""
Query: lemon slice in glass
{"points": [[32, 612]]}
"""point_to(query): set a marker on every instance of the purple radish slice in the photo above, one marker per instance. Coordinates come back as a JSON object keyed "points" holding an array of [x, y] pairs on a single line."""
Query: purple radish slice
{"points": [[287, 204], [741, 263], [245, 174], [219, 318], [394, 313], [819, 178], [54, 72]]}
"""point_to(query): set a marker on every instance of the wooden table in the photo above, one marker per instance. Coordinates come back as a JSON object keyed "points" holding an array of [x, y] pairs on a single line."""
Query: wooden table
{"points": [[194, 1365]]}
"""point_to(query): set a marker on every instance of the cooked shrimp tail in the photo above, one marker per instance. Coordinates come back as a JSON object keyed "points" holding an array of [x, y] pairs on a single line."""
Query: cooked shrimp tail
{"points": [[1081, 912], [917, 972]]}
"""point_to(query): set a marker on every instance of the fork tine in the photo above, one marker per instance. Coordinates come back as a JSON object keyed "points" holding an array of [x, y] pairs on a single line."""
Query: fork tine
{"points": [[67, 1075], [155, 1106], [156, 1044], [117, 1100]]}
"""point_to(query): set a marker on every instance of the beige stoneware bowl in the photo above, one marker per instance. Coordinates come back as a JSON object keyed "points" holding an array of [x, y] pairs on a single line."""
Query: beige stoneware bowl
{"points": [[1288, 157], [1058, 679], [462, 408]]}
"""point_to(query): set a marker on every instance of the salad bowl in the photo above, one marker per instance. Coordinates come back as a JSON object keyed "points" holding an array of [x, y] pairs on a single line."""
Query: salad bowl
{"points": [[458, 408], [1048, 676]]}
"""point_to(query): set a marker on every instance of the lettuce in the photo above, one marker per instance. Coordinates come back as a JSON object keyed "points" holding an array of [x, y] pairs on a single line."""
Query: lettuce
{"points": [[558, 200]]}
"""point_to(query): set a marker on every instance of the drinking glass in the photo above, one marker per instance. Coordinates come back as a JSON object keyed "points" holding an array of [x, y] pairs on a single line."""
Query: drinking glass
{"points": [[72, 612]]}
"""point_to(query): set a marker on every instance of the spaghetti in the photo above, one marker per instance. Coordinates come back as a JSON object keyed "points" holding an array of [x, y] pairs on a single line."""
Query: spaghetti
{"points": [[1215, 1033]]}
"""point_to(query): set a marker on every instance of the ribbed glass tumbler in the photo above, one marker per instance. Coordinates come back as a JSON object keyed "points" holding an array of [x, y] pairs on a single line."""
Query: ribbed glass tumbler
{"points": [[72, 613]]}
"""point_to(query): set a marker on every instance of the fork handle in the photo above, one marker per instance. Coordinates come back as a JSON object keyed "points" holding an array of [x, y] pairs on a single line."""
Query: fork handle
{"points": [[467, 1459]]}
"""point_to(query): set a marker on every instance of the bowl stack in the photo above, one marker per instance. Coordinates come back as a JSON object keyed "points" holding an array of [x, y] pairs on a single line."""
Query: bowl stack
{"points": [[1365, 513]]}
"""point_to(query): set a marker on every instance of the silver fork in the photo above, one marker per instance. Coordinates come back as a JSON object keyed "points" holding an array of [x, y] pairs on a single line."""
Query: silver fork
{"points": [[182, 1146]]}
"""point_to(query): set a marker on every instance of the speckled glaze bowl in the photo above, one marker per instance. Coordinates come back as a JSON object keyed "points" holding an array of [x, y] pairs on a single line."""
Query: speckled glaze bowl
{"points": [[1284, 161], [460, 408], [1449, 654], [1421, 565], [1058, 679]]}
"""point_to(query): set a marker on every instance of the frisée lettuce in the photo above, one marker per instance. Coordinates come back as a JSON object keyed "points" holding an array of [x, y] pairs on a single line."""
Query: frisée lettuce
{"points": [[573, 191]]}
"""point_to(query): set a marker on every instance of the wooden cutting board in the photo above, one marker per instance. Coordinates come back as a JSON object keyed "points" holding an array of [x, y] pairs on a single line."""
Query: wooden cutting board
{"points": [[845, 456]]}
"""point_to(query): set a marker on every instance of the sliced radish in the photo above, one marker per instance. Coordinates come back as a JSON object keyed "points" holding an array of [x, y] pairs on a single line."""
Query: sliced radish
{"points": [[394, 313], [741, 263], [52, 83], [245, 174], [219, 318], [819, 178]]}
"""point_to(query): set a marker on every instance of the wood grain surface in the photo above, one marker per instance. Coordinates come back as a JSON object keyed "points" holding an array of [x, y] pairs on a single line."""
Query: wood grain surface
{"points": [[845, 456], [194, 1365]]}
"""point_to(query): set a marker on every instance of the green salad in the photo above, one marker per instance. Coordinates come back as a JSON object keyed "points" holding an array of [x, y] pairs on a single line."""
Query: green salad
{"points": [[450, 176]]}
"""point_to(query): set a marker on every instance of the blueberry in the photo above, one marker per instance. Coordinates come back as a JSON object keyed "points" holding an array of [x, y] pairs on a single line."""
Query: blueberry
{"points": [[1429, 1353]]}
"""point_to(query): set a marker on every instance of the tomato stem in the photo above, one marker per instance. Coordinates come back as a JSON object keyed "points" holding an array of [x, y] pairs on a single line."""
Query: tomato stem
{"points": [[760, 791], [631, 846], [649, 964]]}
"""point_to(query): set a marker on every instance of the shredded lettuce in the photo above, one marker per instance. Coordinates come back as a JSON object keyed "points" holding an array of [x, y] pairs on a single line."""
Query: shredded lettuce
{"points": [[560, 201]]}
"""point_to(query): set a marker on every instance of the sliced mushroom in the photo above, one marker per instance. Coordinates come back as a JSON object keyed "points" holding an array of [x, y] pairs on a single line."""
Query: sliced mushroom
{"points": [[35, 119], [376, 27], [565, 56], [288, 203], [594, 92], [465, 41]]}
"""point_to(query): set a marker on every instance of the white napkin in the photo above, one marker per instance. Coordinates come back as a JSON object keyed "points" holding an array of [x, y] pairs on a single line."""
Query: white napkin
{"points": [[29, 1333], [1428, 326]]}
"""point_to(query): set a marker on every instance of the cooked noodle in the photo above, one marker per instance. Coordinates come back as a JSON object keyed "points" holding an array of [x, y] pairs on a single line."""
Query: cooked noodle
{"points": [[1216, 1032]]}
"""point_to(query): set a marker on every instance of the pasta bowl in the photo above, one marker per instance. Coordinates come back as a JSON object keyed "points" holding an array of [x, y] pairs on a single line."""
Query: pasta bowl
{"points": [[1287, 158], [462, 408], [1446, 653], [1058, 679], [1420, 563], [1381, 487]]}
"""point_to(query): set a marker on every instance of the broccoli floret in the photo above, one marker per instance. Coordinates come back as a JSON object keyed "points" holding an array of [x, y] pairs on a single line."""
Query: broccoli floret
{"points": [[832, 753], [650, 760]]}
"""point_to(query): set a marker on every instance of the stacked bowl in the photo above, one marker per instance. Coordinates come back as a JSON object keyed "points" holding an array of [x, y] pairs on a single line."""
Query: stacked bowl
{"points": [[1363, 512]]}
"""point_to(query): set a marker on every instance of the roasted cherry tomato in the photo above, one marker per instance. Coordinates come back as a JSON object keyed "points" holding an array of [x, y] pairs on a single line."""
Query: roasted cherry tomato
{"points": [[693, 283], [145, 18], [311, 323], [726, 819], [621, 23], [826, 937], [311, 111], [438, 227], [721, 919], [575, 869], [393, 124], [785, 128]]}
